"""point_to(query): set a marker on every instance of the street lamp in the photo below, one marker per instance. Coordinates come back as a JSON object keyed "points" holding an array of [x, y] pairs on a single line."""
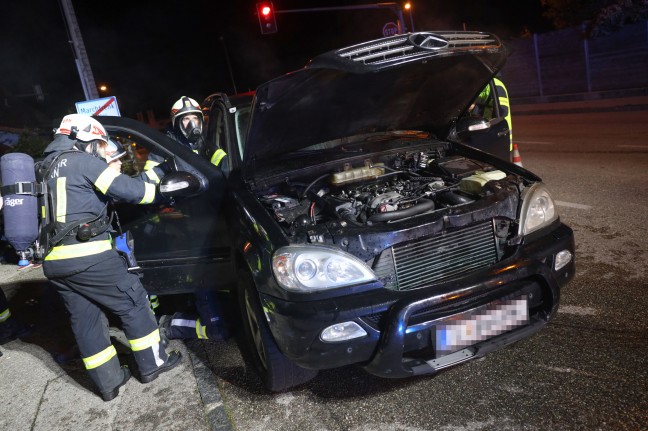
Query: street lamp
{"points": [[408, 7], [103, 88]]}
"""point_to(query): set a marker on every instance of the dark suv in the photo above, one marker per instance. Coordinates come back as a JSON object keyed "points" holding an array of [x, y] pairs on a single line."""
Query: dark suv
{"points": [[358, 228]]}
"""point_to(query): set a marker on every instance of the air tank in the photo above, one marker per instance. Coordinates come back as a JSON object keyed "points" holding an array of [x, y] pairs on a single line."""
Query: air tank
{"points": [[20, 211]]}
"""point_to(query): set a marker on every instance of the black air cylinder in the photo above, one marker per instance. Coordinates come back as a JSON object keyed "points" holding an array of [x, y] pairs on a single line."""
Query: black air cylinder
{"points": [[20, 212]]}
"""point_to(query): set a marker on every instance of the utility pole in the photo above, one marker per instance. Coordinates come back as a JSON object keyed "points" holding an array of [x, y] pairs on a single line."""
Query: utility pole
{"points": [[80, 54]]}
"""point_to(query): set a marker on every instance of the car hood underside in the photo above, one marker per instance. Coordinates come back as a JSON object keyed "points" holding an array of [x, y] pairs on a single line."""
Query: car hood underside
{"points": [[359, 90]]}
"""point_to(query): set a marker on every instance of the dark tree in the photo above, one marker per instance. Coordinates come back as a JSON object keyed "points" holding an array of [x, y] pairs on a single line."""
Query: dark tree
{"points": [[601, 16]]}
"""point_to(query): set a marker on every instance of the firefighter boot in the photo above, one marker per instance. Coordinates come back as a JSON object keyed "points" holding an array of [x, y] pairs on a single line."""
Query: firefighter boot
{"points": [[12, 329], [110, 395], [171, 362]]}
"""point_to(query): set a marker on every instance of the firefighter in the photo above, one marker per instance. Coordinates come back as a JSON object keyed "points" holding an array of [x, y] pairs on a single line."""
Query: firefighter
{"points": [[187, 126], [83, 265], [484, 106]]}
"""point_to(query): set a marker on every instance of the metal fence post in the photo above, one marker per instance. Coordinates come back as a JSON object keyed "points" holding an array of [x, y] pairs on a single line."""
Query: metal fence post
{"points": [[537, 59], [588, 77]]}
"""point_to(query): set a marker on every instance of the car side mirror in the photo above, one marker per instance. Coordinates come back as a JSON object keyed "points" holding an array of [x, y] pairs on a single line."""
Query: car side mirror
{"points": [[469, 125], [179, 183]]}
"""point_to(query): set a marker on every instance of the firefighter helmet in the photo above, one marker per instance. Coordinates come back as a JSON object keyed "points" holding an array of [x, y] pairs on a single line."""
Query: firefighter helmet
{"points": [[182, 106], [82, 128]]}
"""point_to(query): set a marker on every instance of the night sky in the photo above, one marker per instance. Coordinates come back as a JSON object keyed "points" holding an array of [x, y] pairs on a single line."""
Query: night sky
{"points": [[151, 53]]}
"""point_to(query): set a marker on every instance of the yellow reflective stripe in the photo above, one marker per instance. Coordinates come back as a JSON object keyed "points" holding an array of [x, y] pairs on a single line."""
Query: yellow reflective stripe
{"points": [[152, 176], [5, 315], [217, 157], [79, 250], [504, 101], [201, 331], [61, 200], [105, 179], [153, 300], [150, 164], [145, 342], [100, 358], [149, 193]]}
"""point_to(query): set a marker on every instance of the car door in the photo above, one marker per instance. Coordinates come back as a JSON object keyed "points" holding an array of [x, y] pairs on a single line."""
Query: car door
{"points": [[492, 105], [179, 243]]}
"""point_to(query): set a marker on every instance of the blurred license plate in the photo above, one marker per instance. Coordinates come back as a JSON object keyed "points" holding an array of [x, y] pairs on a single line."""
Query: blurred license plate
{"points": [[465, 329]]}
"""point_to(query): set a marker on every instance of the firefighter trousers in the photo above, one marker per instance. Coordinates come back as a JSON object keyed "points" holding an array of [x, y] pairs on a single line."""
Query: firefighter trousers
{"points": [[108, 285]]}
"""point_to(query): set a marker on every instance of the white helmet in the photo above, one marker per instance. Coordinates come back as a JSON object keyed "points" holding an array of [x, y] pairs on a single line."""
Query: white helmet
{"points": [[182, 106], [82, 128]]}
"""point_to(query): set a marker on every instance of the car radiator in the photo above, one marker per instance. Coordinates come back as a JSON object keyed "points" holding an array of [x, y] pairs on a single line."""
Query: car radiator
{"points": [[435, 258]]}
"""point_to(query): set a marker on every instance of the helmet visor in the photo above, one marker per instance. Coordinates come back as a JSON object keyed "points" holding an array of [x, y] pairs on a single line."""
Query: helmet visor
{"points": [[114, 151]]}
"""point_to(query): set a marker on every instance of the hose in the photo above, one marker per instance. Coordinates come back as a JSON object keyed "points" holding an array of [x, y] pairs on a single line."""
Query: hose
{"points": [[425, 205]]}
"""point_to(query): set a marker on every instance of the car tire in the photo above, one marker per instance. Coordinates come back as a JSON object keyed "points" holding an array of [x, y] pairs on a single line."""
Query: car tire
{"points": [[277, 372]]}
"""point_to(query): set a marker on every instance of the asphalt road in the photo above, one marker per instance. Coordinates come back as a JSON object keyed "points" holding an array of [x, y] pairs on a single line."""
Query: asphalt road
{"points": [[587, 370]]}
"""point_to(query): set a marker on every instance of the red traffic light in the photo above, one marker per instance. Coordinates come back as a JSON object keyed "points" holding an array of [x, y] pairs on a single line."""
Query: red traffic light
{"points": [[267, 21]]}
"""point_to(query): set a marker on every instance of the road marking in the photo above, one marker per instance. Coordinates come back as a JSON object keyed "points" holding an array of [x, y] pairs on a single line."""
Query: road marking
{"points": [[534, 142], [566, 370], [633, 146], [575, 309], [572, 205]]}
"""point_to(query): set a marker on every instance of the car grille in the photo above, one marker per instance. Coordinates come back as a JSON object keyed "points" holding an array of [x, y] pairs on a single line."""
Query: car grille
{"points": [[399, 47], [427, 260]]}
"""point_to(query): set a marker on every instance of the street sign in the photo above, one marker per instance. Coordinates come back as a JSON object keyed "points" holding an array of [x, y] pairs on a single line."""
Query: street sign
{"points": [[390, 29], [106, 106]]}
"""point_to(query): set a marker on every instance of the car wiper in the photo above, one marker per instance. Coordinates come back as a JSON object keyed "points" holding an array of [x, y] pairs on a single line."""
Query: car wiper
{"points": [[336, 150]]}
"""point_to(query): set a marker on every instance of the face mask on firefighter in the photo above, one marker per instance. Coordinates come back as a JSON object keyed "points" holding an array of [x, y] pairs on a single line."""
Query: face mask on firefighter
{"points": [[191, 126]]}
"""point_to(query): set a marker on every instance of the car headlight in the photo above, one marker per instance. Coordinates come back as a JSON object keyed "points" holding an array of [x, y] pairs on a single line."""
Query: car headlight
{"points": [[538, 209], [308, 268]]}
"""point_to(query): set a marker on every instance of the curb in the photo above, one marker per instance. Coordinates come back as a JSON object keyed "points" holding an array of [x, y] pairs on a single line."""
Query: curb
{"points": [[215, 413]]}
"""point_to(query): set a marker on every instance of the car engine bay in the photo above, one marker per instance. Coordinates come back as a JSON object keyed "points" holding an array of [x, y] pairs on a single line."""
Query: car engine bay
{"points": [[398, 187]]}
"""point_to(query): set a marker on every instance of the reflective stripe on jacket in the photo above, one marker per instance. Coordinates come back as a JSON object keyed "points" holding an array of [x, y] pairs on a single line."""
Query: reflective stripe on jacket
{"points": [[217, 157], [505, 107]]}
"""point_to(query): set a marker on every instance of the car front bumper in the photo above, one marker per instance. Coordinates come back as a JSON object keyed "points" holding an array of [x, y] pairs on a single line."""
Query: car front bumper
{"points": [[400, 324]]}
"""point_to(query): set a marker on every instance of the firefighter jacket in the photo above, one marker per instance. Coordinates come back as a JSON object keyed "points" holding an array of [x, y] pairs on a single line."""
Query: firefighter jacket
{"points": [[80, 187]]}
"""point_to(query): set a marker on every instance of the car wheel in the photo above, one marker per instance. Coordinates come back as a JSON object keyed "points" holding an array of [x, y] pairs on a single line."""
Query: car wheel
{"points": [[275, 369]]}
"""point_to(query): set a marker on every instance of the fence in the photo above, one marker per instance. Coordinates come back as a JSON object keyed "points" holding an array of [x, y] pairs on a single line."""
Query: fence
{"points": [[564, 62]]}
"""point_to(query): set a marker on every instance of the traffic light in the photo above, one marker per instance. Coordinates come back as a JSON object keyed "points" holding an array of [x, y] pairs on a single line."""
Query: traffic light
{"points": [[267, 21]]}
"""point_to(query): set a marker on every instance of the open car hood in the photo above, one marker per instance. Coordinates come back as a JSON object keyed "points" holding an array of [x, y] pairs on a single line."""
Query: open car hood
{"points": [[417, 81]]}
